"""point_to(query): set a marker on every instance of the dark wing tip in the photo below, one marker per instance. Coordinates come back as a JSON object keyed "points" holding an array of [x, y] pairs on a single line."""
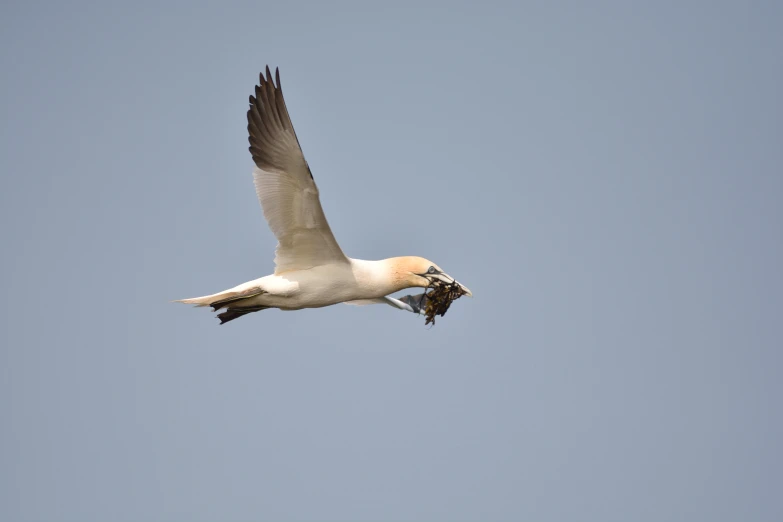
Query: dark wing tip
{"points": [[269, 125], [417, 302]]}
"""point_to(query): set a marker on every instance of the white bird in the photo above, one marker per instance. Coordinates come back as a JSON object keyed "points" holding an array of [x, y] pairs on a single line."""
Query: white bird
{"points": [[311, 270]]}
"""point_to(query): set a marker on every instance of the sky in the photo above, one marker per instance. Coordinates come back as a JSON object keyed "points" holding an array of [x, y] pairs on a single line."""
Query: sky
{"points": [[605, 177]]}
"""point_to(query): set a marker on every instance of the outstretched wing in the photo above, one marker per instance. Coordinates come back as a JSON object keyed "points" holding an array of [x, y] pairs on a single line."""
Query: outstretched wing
{"points": [[285, 185], [401, 304]]}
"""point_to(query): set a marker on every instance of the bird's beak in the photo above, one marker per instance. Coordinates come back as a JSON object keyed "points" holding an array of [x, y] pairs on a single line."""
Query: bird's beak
{"points": [[446, 278]]}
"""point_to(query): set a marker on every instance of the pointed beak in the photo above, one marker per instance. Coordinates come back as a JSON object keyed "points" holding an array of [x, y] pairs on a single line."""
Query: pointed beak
{"points": [[446, 278]]}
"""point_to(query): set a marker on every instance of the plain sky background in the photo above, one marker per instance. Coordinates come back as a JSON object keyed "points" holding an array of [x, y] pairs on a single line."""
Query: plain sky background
{"points": [[606, 177]]}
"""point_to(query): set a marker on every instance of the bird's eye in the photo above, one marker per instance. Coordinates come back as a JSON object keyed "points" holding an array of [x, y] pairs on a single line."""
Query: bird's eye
{"points": [[431, 270]]}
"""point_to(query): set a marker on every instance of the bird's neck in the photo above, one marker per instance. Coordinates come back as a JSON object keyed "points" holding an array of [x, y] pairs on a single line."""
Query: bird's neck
{"points": [[384, 277]]}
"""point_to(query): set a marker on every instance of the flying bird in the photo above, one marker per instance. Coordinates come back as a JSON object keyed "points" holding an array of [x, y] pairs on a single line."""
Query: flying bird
{"points": [[311, 270]]}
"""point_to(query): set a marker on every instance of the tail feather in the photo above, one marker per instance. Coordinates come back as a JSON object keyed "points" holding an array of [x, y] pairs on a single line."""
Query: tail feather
{"points": [[230, 297], [232, 300], [197, 301], [220, 300]]}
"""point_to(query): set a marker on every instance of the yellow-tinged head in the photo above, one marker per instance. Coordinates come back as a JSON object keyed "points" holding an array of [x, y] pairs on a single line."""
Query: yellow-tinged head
{"points": [[412, 271]]}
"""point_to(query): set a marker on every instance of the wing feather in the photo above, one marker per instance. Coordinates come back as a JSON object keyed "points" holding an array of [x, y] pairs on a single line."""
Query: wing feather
{"points": [[284, 184]]}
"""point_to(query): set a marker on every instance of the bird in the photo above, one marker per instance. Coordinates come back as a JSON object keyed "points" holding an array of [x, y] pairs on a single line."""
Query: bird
{"points": [[311, 270]]}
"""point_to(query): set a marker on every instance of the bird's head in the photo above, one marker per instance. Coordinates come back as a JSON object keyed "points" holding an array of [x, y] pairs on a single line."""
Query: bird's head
{"points": [[417, 271]]}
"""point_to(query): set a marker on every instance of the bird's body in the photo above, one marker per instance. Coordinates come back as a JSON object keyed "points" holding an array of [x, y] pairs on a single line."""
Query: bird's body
{"points": [[318, 286], [311, 269]]}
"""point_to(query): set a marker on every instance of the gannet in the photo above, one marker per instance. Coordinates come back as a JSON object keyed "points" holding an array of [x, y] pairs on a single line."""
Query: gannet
{"points": [[311, 270]]}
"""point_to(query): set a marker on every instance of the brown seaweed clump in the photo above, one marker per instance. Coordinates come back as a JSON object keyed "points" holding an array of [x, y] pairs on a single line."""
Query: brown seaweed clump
{"points": [[439, 299]]}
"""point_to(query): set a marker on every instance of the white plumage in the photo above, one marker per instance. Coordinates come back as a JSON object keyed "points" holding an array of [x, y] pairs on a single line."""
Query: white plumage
{"points": [[311, 270]]}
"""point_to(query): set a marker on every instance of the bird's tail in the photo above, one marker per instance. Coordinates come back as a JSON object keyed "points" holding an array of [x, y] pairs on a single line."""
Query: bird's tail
{"points": [[221, 299], [200, 301]]}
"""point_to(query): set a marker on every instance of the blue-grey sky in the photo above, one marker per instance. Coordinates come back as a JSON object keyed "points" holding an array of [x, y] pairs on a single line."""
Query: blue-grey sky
{"points": [[605, 176]]}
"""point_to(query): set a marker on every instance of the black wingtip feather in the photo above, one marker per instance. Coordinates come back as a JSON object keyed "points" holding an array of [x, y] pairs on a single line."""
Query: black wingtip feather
{"points": [[269, 125], [235, 313]]}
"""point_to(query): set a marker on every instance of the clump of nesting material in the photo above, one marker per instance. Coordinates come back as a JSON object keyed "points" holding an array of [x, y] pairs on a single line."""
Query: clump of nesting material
{"points": [[439, 299]]}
